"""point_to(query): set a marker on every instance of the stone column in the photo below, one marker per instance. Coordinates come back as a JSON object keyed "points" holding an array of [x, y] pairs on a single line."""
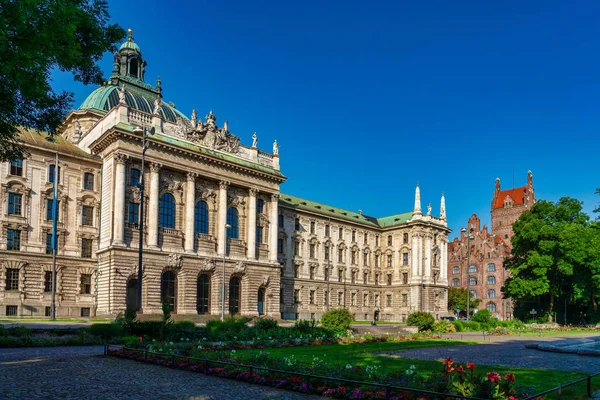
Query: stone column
{"points": [[222, 218], [427, 259], [274, 231], [415, 257], [443, 261], [251, 254], [190, 202], [153, 206], [119, 212]]}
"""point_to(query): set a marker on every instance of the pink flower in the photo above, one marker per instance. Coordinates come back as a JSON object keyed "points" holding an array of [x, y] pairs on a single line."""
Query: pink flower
{"points": [[460, 369], [509, 377], [494, 377], [471, 366]]}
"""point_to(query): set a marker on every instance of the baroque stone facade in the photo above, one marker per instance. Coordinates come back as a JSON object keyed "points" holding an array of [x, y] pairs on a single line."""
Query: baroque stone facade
{"points": [[486, 272], [214, 219]]}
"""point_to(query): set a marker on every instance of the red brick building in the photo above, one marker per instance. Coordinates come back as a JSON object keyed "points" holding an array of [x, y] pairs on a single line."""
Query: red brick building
{"points": [[488, 249]]}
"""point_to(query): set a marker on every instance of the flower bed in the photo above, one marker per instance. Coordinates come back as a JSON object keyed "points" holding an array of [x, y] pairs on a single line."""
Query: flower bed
{"points": [[454, 381]]}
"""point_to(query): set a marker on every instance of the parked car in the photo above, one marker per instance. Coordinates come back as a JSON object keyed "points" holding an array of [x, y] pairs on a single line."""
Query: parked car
{"points": [[449, 318]]}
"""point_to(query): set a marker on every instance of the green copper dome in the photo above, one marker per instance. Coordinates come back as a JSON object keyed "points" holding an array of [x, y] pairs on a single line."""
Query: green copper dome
{"points": [[105, 98], [130, 44]]}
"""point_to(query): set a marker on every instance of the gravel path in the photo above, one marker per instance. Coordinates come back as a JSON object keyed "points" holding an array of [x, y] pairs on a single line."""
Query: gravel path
{"points": [[83, 373], [511, 351]]}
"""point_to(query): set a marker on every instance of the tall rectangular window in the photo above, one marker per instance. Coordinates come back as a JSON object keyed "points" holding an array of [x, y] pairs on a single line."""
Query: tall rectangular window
{"points": [[404, 258], [296, 296], [389, 260], [312, 297], [340, 298], [341, 233], [365, 238], [365, 277], [16, 167], [312, 226], [14, 203], [327, 230], [377, 260], [353, 277], [49, 243], [388, 300], [259, 234], [13, 239], [133, 213], [376, 300], [377, 241], [52, 173], [340, 255], [297, 224], [312, 273], [87, 216], [405, 278], [48, 281], [389, 240], [86, 248], [280, 221], [376, 279], [354, 236], [389, 280], [49, 205], [88, 181], [365, 259], [404, 300], [86, 284], [326, 274], [311, 251], [279, 246], [340, 274], [353, 299], [296, 248], [134, 177], [365, 300], [353, 257], [12, 279], [326, 252]]}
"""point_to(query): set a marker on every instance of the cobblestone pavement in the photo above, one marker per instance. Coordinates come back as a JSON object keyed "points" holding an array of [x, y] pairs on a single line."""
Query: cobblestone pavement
{"points": [[511, 351], [83, 373]]}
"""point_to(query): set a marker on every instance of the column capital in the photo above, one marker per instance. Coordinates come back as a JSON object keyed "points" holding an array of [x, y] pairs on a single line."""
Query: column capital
{"points": [[191, 176], [120, 158], [155, 167], [275, 197], [223, 184], [253, 191]]}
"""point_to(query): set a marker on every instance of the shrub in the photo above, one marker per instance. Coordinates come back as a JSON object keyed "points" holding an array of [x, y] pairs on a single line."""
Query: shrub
{"points": [[423, 320], [185, 325], [152, 329], [230, 328], [305, 325], [19, 331], [443, 327], [471, 326], [132, 341], [458, 325], [337, 320], [106, 331], [265, 324], [483, 316]]}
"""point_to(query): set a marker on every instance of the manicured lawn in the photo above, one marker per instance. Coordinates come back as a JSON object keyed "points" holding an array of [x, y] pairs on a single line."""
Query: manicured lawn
{"points": [[365, 355], [25, 320]]}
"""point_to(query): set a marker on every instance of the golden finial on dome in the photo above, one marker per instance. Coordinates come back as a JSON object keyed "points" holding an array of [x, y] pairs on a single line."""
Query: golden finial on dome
{"points": [[130, 31]]}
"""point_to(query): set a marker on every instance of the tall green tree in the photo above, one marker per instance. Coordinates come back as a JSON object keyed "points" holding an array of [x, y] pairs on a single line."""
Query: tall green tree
{"points": [[550, 252], [457, 299], [37, 36]]}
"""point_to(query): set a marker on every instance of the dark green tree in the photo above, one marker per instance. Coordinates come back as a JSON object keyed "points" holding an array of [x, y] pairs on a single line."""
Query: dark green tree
{"points": [[457, 299], [549, 252], [37, 36]]}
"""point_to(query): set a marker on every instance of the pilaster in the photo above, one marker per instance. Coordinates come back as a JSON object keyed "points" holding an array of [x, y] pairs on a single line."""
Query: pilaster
{"points": [[251, 254], [153, 205], [222, 218], [273, 232], [190, 202], [119, 211]]}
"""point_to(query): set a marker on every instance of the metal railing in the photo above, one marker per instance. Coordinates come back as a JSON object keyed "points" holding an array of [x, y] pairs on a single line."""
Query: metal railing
{"points": [[306, 378], [559, 389]]}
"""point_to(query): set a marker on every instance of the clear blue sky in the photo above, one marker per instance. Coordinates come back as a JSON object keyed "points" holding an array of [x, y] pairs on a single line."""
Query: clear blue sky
{"points": [[366, 98]]}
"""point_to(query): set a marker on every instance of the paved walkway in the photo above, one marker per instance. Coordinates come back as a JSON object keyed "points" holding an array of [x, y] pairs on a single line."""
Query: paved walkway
{"points": [[511, 351], [83, 373]]}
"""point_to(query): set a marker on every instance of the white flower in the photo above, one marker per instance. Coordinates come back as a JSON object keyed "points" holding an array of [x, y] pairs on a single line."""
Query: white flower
{"points": [[348, 366]]}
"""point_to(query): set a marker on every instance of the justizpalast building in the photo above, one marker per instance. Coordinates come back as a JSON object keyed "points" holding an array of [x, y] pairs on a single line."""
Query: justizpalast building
{"points": [[214, 218]]}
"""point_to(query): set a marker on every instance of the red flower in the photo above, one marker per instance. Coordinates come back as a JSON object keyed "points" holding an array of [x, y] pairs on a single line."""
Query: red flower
{"points": [[494, 377], [448, 362], [471, 366], [140, 339], [460, 369], [509, 377]]}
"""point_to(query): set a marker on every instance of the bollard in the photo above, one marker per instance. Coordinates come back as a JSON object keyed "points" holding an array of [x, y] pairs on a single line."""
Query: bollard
{"points": [[559, 393], [206, 366], [589, 387], [105, 349]]}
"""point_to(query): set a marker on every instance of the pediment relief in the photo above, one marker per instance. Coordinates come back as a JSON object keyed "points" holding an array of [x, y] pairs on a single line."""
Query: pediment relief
{"points": [[236, 198], [205, 134], [171, 181]]}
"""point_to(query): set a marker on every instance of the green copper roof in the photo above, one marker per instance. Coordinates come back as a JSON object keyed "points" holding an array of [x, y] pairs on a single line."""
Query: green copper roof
{"points": [[289, 201], [204, 150], [393, 220], [53, 143], [106, 97]]}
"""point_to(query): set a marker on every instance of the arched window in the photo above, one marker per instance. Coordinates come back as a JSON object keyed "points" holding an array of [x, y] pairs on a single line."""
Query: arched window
{"points": [[166, 211], [472, 268], [491, 307], [491, 267], [491, 280], [260, 206], [472, 281], [134, 177], [473, 294], [168, 282], [455, 282], [233, 220], [201, 217], [455, 270], [491, 293], [133, 67]]}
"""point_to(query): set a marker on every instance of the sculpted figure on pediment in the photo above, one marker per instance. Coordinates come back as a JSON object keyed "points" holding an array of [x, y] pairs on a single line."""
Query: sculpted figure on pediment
{"points": [[175, 261], [205, 191], [207, 135], [236, 198], [171, 181]]}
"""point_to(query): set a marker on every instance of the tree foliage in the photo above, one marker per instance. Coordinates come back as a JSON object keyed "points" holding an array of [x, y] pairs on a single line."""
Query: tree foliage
{"points": [[337, 320], [457, 299], [37, 36], [555, 254], [421, 319]]}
